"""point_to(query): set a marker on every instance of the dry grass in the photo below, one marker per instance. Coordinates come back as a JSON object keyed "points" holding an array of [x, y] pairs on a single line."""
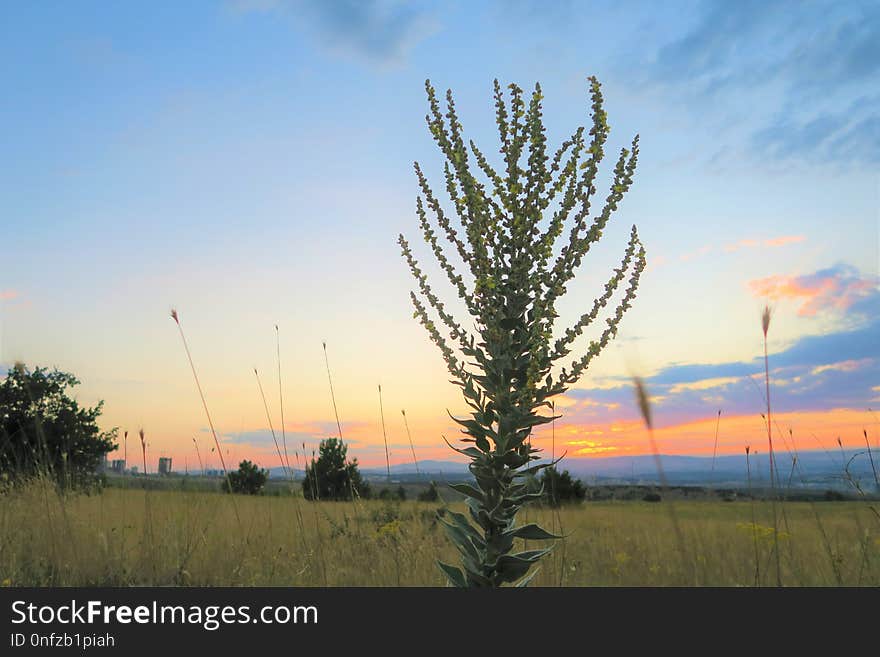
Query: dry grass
{"points": [[136, 537]]}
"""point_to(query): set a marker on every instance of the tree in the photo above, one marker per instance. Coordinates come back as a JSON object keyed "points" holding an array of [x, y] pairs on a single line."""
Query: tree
{"points": [[45, 431], [247, 480], [332, 476], [511, 274], [560, 487]]}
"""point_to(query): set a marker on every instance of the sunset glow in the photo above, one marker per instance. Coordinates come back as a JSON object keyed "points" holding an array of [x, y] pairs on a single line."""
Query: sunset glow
{"points": [[256, 169]]}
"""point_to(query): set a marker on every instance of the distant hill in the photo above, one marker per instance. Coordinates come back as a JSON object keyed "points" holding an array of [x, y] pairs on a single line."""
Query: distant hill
{"points": [[814, 468], [425, 467]]}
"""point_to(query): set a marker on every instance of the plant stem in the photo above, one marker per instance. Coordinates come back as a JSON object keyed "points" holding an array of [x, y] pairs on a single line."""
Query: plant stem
{"points": [[385, 437], [772, 468], [281, 398]]}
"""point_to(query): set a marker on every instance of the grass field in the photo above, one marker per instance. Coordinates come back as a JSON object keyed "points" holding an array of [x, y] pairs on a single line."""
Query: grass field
{"points": [[148, 537]]}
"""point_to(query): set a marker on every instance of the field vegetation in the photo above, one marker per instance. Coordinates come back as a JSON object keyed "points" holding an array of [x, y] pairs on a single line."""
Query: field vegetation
{"points": [[134, 536]]}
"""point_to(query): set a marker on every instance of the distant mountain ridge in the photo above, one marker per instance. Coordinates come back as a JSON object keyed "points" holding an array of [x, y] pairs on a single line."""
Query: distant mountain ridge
{"points": [[812, 466]]}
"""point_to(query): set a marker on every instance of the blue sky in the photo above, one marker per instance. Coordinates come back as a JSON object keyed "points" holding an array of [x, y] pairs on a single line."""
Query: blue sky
{"points": [[250, 162]]}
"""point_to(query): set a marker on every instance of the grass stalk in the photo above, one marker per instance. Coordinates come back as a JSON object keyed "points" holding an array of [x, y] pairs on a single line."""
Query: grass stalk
{"points": [[281, 397], [385, 437], [143, 449], [411, 446], [199, 455], [871, 457], [754, 522], [645, 408], [715, 447], [765, 325], [192, 366], [332, 394], [271, 427]]}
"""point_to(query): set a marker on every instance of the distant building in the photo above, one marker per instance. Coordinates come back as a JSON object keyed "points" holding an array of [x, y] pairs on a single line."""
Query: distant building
{"points": [[118, 466], [164, 465], [134, 470]]}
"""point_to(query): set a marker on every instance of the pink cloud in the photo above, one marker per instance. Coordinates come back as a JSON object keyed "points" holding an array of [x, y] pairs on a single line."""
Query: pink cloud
{"points": [[771, 243], [831, 289], [782, 241], [703, 250], [8, 295], [742, 244]]}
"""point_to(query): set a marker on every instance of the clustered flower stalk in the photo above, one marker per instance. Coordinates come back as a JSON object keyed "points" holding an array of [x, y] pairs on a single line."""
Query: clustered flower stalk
{"points": [[505, 233]]}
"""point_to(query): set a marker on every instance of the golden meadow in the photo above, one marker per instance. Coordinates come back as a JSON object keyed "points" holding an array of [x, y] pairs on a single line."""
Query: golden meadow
{"points": [[125, 537]]}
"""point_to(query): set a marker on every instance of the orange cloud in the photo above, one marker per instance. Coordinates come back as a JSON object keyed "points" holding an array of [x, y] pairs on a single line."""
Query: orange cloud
{"points": [[771, 243], [843, 366], [831, 289], [742, 244], [703, 384], [595, 449], [810, 430], [703, 250], [782, 241]]}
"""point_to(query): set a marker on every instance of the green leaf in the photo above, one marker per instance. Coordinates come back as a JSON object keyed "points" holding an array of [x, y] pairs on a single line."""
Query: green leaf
{"points": [[472, 452], [467, 489], [461, 541], [533, 555], [511, 568], [453, 574], [531, 532], [525, 581]]}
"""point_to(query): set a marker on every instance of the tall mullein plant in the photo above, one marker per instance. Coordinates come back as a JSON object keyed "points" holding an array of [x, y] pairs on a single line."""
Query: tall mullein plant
{"points": [[508, 232]]}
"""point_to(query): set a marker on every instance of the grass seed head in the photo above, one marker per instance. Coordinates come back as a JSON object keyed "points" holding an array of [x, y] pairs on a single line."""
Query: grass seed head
{"points": [[174, 315], [765, 320], [643, 401]]}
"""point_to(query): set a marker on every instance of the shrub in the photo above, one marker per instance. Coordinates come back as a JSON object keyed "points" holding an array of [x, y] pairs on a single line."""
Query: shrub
{"points": [[561, 487], [247, 480], [332, 476]]}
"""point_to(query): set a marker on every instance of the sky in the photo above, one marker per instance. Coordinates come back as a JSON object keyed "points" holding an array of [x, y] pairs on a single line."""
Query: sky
{"points": [[249, 163]]}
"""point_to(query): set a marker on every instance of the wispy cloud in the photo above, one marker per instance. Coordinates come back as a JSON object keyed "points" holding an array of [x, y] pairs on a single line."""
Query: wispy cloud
{"points": [[801, 69], [785, 239], [8, 295], [772, 243], [381, 31], [739, 245], [832, 370], [837, 288]]}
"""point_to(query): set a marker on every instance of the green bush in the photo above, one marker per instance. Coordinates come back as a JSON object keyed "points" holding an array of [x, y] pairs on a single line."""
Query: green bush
{"points": [[561, 487], [332, 476], [248, 480]]}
